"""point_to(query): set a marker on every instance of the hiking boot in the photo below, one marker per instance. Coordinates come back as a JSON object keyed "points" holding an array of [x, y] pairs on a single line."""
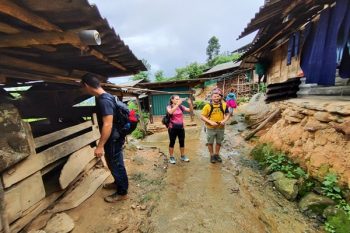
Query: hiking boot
{"points": [[184, 158], [218, 158], [212, 159], [109, 186], [172, 160], [115, 197]]}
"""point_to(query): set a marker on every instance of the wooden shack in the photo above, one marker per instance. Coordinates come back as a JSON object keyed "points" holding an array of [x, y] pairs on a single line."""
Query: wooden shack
{"points": [[229, 76], [283, 43], [46, 135]]}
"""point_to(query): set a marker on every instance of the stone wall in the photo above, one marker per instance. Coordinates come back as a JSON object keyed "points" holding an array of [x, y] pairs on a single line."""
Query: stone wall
{"points": [[316, 134]]}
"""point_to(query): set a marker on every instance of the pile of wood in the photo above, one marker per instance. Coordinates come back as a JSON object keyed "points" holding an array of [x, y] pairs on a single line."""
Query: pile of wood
{"points": [[261, 123], [49, 174]]}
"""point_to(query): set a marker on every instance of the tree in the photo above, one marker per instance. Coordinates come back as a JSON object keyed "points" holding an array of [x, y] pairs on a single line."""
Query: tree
{"points": [[213, 48], [159, 76], [190, 71], [143, 74], [223, 58]]}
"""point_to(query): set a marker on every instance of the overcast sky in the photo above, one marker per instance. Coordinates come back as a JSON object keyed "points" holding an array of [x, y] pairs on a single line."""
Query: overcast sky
{"points": [[174, 33]]}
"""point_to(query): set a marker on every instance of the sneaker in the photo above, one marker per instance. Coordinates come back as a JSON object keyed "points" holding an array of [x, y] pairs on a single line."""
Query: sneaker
{"points": [[218, 158], [109, 186], [115, 197], [172, 160], [184, 158], [212, 159]]}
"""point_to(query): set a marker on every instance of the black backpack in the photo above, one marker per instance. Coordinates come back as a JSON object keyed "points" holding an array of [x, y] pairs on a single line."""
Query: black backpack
{"points": [[212, 109], [124, 120], [166, 119]]}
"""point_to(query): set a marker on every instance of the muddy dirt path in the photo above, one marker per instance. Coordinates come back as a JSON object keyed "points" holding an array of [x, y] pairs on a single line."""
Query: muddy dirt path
{"points": [[229, 197]]}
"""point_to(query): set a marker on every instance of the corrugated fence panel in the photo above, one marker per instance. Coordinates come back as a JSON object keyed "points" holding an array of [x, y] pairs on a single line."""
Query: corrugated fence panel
{"points": [[160, 102]]}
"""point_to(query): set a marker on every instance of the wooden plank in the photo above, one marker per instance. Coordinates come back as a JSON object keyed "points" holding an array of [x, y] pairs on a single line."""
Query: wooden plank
{"points": [[10, 8], [52, 137], [36, 162], [8, 28], [4, 223], [23, 196], [142, 123], [25, 39], [29, 65], [83, 191], [34, 211], [75, 165]]}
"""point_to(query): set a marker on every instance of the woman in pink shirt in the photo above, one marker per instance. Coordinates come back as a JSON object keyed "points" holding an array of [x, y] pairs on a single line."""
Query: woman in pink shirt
{"points": [[176, 127]]}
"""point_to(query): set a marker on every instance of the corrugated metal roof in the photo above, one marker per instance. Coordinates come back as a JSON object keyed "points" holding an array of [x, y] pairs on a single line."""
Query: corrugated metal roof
{"points": [[224, 66], [278, 19], [70, 15]]}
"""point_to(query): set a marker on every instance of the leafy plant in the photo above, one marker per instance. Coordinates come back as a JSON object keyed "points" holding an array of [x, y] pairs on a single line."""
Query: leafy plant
{"points": [[330, 187], [199, 104], [329, 228]]}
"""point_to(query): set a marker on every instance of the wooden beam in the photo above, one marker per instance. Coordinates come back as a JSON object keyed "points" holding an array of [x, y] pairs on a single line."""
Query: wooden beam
{"points": [[52, 137], [36, 162], [29, 65], [10, 8], [41, 38], [8, 28]]}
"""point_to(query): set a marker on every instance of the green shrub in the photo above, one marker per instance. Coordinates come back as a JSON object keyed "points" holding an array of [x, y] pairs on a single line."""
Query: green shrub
{"points": [[199, 104], [277, 161], [138, 134], [242, 100], [330, 187]]}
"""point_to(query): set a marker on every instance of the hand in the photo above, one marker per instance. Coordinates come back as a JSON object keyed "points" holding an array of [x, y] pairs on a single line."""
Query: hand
{"points": [[213, 123], [222, 122], [99, 152]]}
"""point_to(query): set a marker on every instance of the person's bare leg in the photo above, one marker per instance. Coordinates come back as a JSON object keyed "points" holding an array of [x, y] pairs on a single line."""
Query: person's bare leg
{"points": [[217, 154], [217, 149], [171, 151], [182, 151], [211, 152]]}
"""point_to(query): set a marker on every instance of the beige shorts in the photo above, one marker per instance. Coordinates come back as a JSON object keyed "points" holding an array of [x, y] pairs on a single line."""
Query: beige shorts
{"points": [[215, 135]]}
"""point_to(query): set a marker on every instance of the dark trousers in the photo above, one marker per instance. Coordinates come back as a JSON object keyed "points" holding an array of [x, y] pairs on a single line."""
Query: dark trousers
{"points": [[173, 134], [115, 161]]}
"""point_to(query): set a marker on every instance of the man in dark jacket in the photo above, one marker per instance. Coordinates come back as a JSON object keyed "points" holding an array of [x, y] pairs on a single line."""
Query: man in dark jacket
{"points": [[110, 143]]}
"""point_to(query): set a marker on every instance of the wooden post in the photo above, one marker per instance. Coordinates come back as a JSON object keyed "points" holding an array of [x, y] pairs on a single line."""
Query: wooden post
{"points": [[142, 123], [191, 107], [3, 214], [150, 107], [223, 87]]}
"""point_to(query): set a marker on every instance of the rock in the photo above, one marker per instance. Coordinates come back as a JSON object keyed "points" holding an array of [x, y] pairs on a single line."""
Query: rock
{"points": [[343, 128], [38, 231], [234, 122], [292, 119], [60, 223], [275, 176], [315, 203], [324, 116], [339, 220], [143, 207], [287, 187], [133, 206], [295, 114], [330, 211], [313, 125]]}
